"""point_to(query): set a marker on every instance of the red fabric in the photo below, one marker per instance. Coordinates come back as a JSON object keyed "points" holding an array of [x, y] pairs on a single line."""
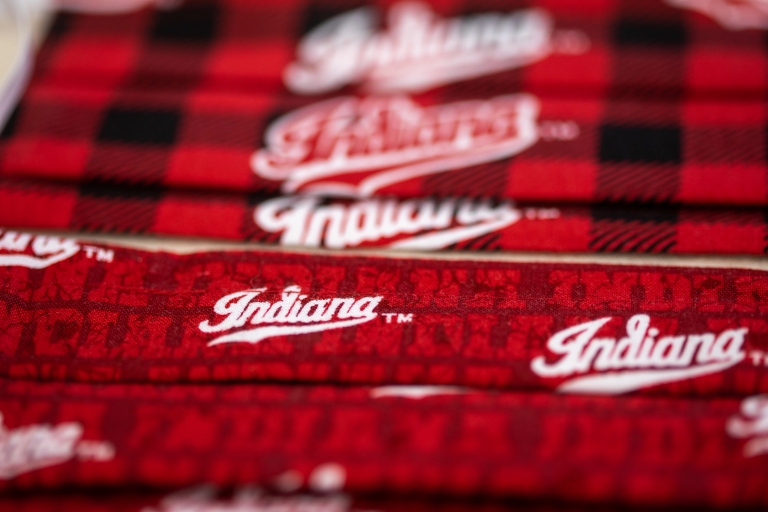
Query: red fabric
{"points": [[108, 314], [514, 227], [634, 47], [628, 451], [443, 380], [669, 105], [246, 499]]}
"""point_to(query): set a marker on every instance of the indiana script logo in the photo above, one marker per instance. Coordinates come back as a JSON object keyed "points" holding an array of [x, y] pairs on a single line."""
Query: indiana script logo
{"points": [[751, 424], [25, 250], [423, 224], [37, 446], [731, 14], [419, 50], [638, 360], [203, 499], [357, 146], [249, 319]]}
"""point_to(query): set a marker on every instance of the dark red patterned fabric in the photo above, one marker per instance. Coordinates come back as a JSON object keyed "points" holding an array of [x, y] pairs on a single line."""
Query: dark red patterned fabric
{"points": [[537, 446], [528, 227], [255, 499], [669, 104], [82, 312]]}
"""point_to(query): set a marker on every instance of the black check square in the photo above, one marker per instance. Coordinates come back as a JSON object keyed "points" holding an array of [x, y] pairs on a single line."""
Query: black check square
{"points": [[640, 144], [140, 126], [11, 124], [636, 32], [190, 23], [60, 25], [316, 14], [117, 192], [629, 213]]}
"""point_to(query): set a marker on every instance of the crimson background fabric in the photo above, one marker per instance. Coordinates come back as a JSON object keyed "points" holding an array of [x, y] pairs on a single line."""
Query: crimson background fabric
{"points": [[136, 317], [586, 449], [670, 105], [180, 500], [604, 227]]}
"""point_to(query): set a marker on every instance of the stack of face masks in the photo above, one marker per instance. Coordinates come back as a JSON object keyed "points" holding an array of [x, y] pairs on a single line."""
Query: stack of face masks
{"points": [[458, 362], [629, 127]]}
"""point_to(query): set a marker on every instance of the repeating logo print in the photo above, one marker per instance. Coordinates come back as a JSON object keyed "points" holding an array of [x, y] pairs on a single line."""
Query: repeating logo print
{"points": [[731, 14], [417, 392], [204, 499], [419, 50], [751, 424], [613, 366], [326, 481], [249, 319], [25, 250], [357, 146], [37, 446], [423, 224]]}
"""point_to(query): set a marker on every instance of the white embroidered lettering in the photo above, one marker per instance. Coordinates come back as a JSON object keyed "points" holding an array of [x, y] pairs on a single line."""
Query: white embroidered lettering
{"points": [[751, 424], [358, 146], [731, 14], [423, 224], [637, 360], [33, 447], [287, 316], [252, 499], [25, 250], [419, 50]]}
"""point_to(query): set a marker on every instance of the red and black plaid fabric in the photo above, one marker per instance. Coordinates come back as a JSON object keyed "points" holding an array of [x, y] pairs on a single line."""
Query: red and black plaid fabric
{"points": [[636, 47], [669, 104], [81, 312], [537, 446], [532, 227]]}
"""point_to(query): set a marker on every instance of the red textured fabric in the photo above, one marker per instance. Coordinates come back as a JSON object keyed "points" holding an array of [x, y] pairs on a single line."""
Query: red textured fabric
{"points": [[664, 106], [436, 224], [536, 446], [254, 499], [75, 311]]}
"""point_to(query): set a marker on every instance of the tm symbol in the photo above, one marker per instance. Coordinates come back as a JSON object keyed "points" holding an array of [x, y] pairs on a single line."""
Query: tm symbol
{"points": [[400, 318], [758, 357], [99, 253]]}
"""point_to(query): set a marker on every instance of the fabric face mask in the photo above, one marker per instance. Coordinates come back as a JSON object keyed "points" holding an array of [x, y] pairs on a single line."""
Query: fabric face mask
{"points": [[76, 311]]}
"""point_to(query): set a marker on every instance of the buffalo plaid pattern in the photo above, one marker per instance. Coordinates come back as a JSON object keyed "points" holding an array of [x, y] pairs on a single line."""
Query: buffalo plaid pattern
{"points": [[669, 104], [134, 317], [603, 227], [537, 446]]}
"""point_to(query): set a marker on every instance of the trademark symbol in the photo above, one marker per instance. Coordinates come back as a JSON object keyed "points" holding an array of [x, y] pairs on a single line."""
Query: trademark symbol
{"points": [[95, 450], [400, 318], [559, 130], [758, 357], [541, 213], [571, 42], [100, 254]]}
